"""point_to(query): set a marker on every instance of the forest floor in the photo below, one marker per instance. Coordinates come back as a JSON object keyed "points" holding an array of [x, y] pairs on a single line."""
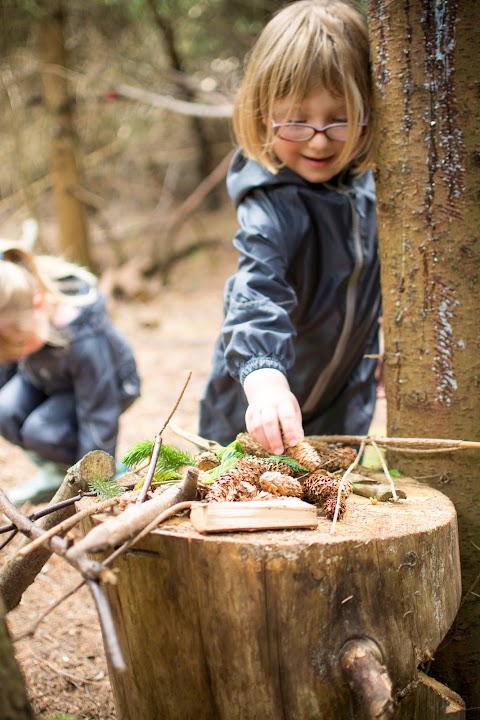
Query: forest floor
{"points": [[64, 663]]}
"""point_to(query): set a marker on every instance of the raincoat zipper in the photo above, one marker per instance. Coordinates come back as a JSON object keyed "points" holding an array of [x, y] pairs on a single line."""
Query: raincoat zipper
{"points": [[351, 295]]}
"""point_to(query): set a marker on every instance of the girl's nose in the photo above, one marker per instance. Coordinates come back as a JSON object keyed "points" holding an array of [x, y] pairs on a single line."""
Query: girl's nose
{"points": [[319, 140]]}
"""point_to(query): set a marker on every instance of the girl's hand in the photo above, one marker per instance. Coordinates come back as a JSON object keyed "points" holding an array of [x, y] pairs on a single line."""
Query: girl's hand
{"points": [[273, 410]]}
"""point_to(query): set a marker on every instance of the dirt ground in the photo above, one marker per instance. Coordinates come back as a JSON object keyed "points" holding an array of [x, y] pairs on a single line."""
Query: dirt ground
{"points": [[64, 663]]}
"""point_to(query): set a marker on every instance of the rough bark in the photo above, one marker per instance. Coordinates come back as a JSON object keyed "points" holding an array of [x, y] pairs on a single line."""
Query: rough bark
{"points": [[259, 622], [426, 60], [14, 704]]}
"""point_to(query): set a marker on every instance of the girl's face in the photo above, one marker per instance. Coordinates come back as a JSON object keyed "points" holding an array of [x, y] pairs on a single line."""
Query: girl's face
{"points": [[37, 337], [315, 160]]}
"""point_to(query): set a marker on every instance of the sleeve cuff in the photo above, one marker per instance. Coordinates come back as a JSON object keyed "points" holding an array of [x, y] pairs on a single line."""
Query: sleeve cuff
{"points": [[258, 363]]}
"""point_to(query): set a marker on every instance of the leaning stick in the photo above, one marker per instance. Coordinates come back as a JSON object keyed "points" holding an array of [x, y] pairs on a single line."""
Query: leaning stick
{"points": [[399, 443], [62, 527], [115, 531]]}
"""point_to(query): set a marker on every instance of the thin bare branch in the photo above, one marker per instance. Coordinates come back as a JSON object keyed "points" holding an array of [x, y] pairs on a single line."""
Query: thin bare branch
{"points": [[157, 446], [342, 482], [385, 470], [400, 443], [65, 525]]}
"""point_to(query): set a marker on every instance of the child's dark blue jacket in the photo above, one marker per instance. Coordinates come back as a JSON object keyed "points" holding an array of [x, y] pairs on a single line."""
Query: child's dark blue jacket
{"points": [[305, 300], [76, 392]]}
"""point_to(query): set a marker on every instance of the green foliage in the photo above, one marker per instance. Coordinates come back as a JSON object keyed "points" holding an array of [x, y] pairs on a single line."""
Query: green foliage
{"points": [[105, 488], [296, 467], [170, 459], [228, 461], [396, 473], [65, 717], [138, 453]]}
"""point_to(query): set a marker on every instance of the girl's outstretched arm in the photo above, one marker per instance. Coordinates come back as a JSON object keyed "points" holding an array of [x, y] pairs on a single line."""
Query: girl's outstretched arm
{"points": [[273, 415]]}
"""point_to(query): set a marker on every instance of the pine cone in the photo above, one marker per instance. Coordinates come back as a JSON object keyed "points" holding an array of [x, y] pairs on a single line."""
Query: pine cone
{"points": [[230, 487], [318, 487], [347, 486], [304, 454], [269, 464], [330, 505], [279, 484], [251, 446], [333, 457], [249, 468], [206, 460]]}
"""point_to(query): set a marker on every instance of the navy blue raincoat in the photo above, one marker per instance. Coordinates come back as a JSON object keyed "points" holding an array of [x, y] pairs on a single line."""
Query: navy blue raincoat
{"points": [[62, 402], [305, 300]]}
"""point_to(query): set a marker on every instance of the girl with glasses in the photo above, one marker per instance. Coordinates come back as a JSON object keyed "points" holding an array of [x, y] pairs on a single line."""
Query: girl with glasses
{"points": [[301, 312], [67, 373]]}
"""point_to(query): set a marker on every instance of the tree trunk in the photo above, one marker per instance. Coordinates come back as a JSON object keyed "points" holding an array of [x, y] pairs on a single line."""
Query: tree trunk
{"points": [[288, 624], [65, 175], [13, 698], [426, 61]]}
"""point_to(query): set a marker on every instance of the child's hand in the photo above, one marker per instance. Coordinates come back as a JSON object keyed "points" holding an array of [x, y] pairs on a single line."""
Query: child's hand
{"points": [[273, 410]]}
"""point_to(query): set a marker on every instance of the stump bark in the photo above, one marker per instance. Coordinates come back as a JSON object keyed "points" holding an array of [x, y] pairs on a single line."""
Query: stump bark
{"points": [[289, 624]]}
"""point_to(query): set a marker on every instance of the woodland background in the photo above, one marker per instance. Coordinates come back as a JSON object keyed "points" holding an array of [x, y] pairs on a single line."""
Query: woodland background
{"points": [[148, 177], [137, 164]]}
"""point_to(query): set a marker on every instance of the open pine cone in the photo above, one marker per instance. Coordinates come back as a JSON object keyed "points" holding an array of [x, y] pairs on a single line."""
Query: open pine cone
{"points": [[279, 484], [304, 454]]}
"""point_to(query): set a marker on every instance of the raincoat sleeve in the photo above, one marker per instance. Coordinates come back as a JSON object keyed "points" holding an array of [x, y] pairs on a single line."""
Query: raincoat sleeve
{"points": [[97, 399], [259, 300]]}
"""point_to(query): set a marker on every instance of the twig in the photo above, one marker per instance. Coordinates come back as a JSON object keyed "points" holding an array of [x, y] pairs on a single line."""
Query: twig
{"points": [[74, 679], [107, 625], [66, 525], [10, 537], [385, 470], [182, 107], [142, 496], [120, 528], [342, 482], [430, 444], [91, 570], [173, 510], [48, 510], [158, 445], [200, 442], [177, 403], [32, 629]]}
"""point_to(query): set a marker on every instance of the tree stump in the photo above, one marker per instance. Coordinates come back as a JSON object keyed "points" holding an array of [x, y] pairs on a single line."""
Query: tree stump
{"points": [[298, 625]]}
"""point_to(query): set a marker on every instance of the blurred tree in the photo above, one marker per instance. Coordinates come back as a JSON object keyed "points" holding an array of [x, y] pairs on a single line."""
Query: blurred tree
{"points": [[13, 699], [426, 60], [73, 241]]}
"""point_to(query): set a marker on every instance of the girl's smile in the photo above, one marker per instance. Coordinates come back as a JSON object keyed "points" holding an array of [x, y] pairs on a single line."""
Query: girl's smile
{"points": [[315, 160]]}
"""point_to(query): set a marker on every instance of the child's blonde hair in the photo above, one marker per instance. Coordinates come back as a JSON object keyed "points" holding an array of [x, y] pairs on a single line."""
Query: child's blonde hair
{"points": [[306, 44], [24, 277]]}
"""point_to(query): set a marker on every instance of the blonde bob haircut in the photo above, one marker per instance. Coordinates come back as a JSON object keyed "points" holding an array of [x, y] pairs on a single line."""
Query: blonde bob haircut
{"points": [[306, 44], [23, 278]]}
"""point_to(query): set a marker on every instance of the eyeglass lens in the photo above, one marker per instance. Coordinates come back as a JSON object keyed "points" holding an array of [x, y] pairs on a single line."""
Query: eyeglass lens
{"points": [[298, 132]]}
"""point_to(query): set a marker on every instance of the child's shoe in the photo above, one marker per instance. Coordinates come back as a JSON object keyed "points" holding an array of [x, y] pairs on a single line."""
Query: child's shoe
{"points": [[41, 488]]}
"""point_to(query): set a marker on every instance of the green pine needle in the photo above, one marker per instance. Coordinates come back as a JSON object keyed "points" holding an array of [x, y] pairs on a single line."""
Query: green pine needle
{"points": [[229, 459], [296, 467], [105, 489], [167, 475], [170, 458], [139, 452]]}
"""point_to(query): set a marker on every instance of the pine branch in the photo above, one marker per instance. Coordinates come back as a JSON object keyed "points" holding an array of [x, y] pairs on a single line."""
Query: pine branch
{"points": [[105, 489]]}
